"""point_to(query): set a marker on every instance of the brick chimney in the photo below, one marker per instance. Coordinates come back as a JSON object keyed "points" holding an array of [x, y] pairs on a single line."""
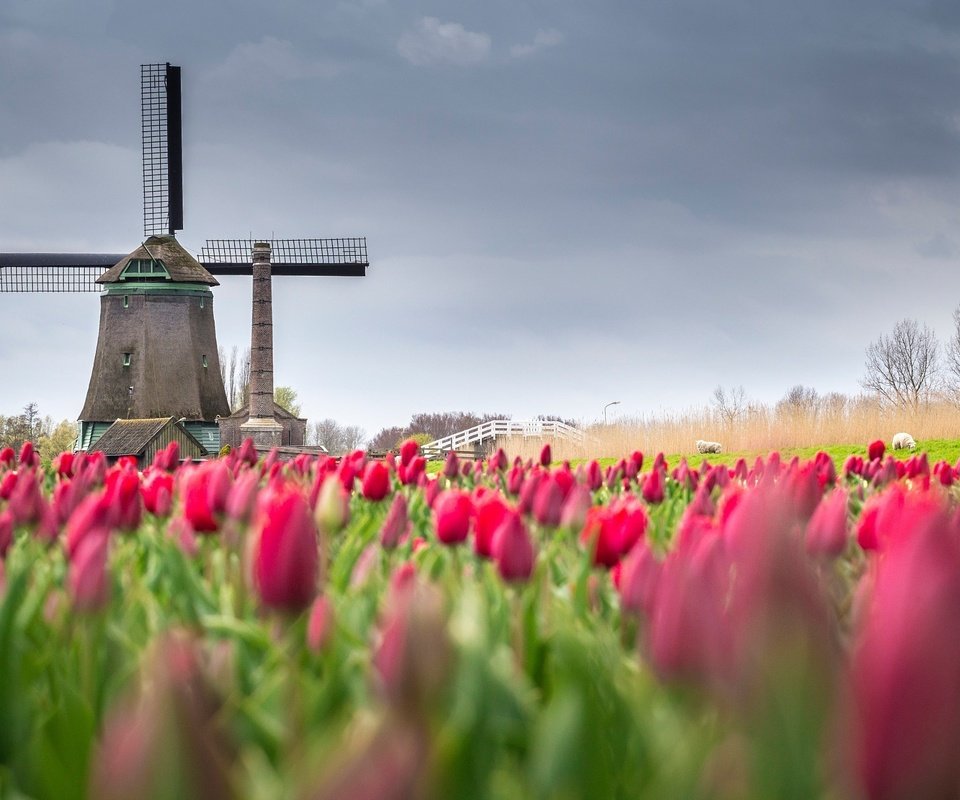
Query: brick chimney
{"points": [[262, 426]]}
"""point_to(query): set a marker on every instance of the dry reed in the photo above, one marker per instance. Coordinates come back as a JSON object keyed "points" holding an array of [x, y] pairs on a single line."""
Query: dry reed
{"points": [[759, 429]]}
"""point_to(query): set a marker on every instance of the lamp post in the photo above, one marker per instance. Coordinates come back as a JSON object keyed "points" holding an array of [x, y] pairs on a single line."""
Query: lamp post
{"points": [[614, 403]]}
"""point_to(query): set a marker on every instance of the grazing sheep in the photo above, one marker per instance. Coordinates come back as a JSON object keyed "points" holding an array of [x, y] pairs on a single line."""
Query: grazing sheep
{"points": [[903, 441], [708, 447]]}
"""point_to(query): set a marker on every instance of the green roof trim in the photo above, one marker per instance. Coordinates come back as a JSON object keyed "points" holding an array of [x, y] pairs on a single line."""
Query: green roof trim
{"points": [[145, 269]]}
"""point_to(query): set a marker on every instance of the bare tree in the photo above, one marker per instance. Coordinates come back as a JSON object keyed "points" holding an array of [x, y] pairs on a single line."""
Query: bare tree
{"points": [[953, 359], [338, 439], [799, 401], [730, 405], [902, 368]]}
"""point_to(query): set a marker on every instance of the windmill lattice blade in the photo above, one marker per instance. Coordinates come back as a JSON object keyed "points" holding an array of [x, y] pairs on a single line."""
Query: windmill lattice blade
{"points": [[161, 137], [54, 272], [337, 256]]}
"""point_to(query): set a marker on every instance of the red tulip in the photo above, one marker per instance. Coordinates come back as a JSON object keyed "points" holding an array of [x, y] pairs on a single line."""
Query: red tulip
{"points": [[157, 492], [168, 458], [491, 511], [122, 498], [376, 481], [452, 511], [876, 450], [653, 487], [286, 555], [29, 457], [63, 465], [205, 495], [546, 456], [408, 451], [513, 549]]}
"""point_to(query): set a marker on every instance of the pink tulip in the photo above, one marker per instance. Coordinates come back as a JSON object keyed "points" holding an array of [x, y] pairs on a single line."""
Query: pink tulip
{"points": [[397, 523], [286, 555], [638, 580], [451, 466], [548, 503], [320, 624], [513, 549], [827, 529], [6, 531], [906, 662], [88, 578]]}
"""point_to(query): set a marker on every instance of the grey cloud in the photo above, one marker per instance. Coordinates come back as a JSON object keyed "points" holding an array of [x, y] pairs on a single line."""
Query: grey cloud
{"points": [[436, 42], [542, 40]]}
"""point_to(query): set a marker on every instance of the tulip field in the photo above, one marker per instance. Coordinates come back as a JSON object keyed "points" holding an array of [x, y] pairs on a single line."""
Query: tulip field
{"points": [[359, 628]]}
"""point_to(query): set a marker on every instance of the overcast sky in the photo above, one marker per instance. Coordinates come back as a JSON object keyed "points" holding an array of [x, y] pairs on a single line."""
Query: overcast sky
{"points": [[565, 203]]}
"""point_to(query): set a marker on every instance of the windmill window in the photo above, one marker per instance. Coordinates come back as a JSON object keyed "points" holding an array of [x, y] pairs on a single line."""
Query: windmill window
{"points": [[201, 302], [126, 301], [204, 358], [126, 359], [145, 269]]}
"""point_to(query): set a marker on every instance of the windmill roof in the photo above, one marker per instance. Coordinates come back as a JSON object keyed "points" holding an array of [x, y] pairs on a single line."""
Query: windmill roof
{"points": [[182, 266], [128, 437]]}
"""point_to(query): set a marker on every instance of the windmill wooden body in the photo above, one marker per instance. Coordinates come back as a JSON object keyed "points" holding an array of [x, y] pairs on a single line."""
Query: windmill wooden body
{"points": [[157, 352]]}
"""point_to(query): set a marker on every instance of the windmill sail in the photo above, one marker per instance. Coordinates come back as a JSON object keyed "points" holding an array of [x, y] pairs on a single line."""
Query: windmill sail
{"points": [[161, 122]]}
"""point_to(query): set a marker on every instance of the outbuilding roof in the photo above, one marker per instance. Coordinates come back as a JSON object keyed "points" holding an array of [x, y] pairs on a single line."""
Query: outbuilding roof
{"points": [[129, 436]]}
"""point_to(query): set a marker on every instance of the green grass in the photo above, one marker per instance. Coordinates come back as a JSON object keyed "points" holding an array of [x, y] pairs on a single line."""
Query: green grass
{"points": [[936, 450]]}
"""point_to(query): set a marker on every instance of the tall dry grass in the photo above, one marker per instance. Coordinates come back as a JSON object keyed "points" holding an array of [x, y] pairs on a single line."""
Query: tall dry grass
{"points": [[758, 429]]}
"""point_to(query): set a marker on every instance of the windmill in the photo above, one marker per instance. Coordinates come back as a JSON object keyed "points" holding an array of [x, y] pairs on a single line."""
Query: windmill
{"points": [[157, 352]]}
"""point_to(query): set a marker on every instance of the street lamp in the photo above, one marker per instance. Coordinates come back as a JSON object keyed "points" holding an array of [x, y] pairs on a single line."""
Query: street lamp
{"points": [[614, 403]]}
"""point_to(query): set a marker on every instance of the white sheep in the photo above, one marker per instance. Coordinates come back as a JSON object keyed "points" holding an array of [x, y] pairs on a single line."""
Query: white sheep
{"points": [[903, 441], [708, 447]]}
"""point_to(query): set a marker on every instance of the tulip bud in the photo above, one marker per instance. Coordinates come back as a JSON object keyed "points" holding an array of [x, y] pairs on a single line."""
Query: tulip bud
{"points": [[332, 511], [397, 523], [320, 624]]}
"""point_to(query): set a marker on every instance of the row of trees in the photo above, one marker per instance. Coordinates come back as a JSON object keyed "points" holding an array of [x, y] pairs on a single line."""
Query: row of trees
{"points": [[51, 438], [905, 369]]}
